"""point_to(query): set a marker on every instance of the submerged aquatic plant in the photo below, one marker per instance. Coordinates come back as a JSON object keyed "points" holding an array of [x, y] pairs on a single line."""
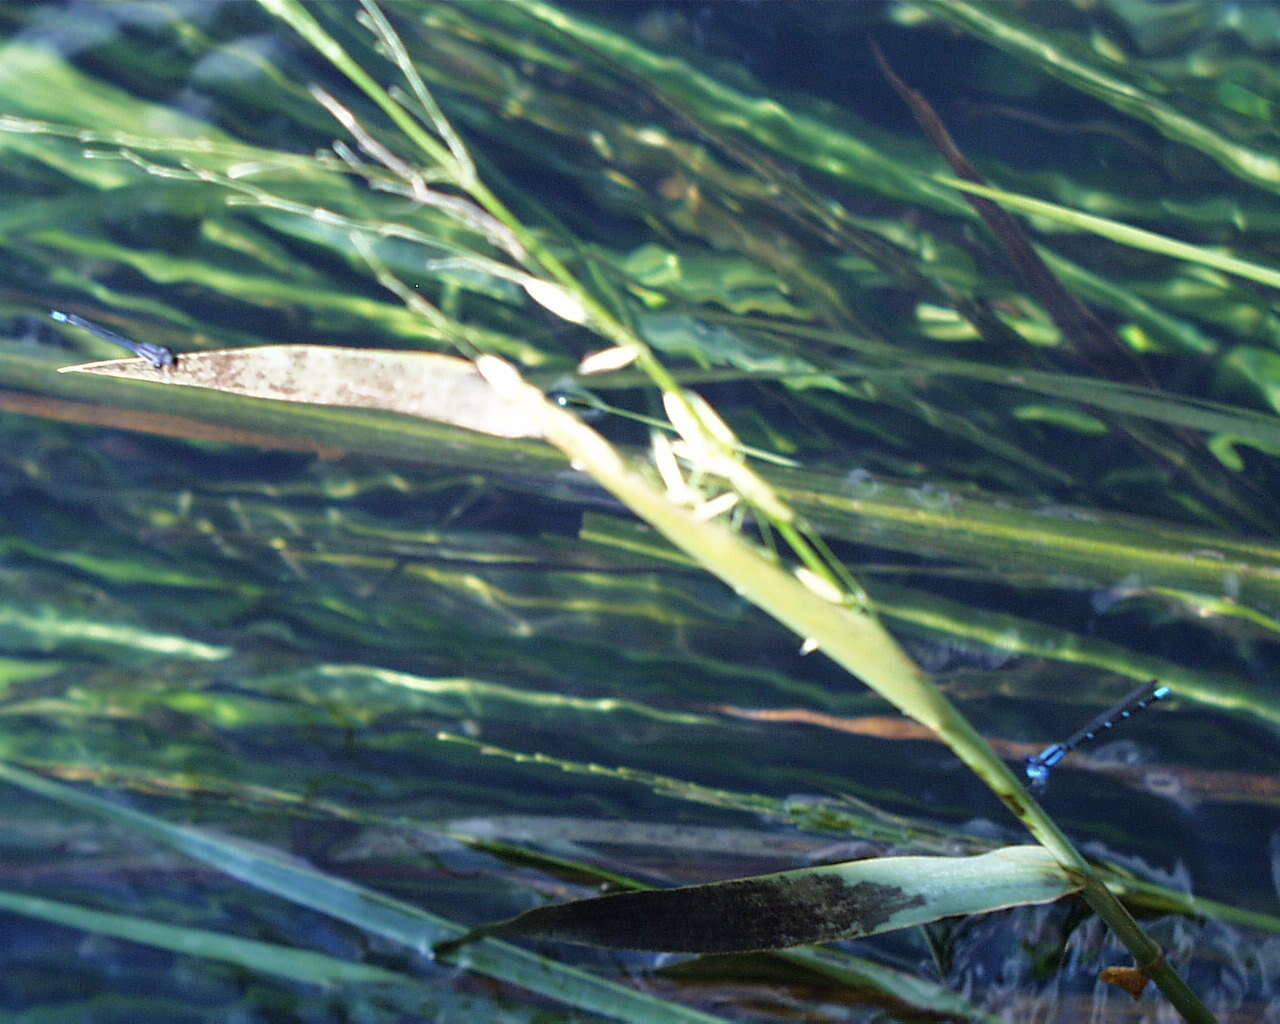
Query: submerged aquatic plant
{"points": [[725, 241]]}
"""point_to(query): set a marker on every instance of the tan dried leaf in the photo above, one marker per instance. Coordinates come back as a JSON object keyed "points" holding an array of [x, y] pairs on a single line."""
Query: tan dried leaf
{"points": [[425, 384]]}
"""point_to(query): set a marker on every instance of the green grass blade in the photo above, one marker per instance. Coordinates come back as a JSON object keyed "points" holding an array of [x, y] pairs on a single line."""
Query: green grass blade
{"points": [[417, 929], [1124, 234], [271, 958], [1000, 25]]}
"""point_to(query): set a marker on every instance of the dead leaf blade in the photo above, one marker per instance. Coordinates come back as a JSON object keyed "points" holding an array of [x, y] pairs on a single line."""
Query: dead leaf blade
{"points": [[425, 384]]}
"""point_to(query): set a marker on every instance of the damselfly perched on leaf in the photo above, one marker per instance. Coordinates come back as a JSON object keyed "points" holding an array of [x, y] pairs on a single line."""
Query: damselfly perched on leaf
{"points": [[156, 355]]}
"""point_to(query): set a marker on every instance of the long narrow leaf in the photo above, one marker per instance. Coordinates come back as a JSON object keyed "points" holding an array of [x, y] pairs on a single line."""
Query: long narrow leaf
{"points": [[799, 908], [298, 964], [1124, 234], [424, 384], [299, 883]]}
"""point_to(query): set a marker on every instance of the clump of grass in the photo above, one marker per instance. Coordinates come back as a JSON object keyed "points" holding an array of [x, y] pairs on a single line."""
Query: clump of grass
{"points": [[758, 274]]}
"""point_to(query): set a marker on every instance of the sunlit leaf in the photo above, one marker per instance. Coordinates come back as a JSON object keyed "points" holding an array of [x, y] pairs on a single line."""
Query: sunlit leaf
{"points": [[797, 908], [425, 384]]}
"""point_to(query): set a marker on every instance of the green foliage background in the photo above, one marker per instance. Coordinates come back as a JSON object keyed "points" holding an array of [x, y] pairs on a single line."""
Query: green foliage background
{"points": [[448, 668]]}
